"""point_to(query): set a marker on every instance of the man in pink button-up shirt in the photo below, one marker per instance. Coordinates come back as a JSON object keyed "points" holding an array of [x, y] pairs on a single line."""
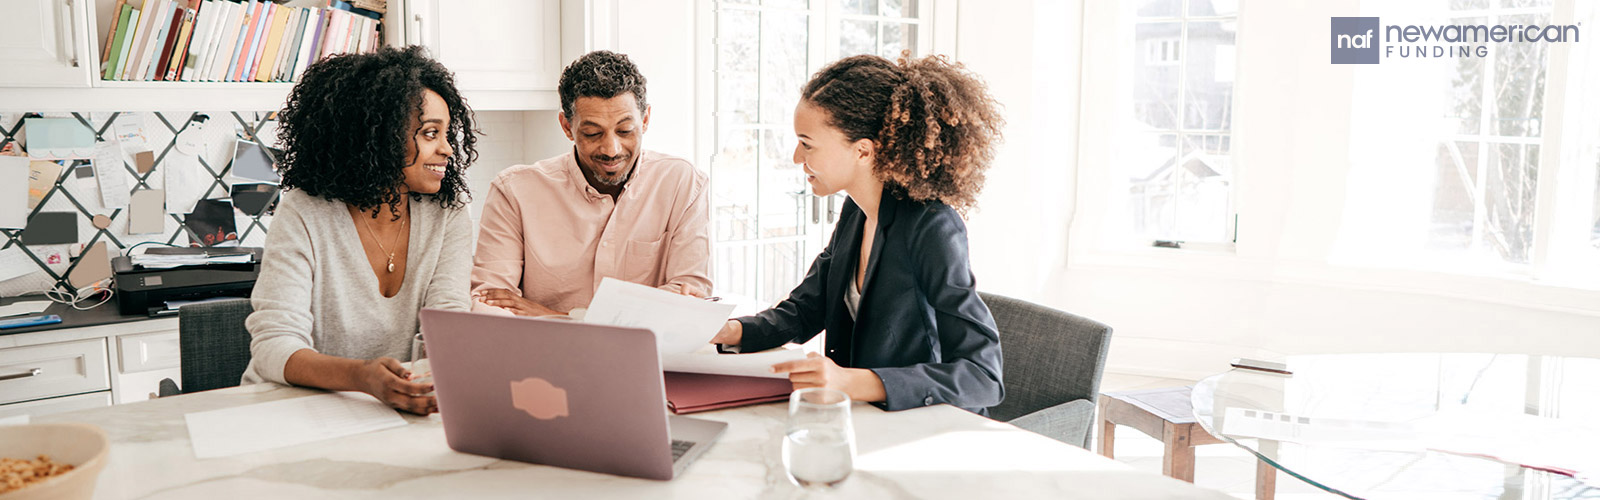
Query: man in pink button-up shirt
{"points": [[551, 230]]}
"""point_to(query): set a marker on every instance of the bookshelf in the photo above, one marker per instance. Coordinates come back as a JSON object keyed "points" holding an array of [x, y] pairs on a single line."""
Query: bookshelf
{"points": [[537, 40]]}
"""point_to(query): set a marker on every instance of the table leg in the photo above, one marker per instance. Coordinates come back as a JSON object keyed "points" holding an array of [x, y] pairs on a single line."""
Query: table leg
{"points": [[1266, 480], [1178, 456], [1108, 438]]}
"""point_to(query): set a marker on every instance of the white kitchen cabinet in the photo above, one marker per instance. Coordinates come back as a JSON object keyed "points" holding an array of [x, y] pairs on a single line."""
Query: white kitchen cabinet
{"points": [[45, 43]]}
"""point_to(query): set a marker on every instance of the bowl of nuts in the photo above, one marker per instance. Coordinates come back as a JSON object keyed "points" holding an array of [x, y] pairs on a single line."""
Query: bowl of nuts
{"points": [[51, 460]]}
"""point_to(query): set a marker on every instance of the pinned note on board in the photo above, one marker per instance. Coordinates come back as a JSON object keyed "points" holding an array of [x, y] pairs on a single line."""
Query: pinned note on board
{"points": [[42, 176], [13, 192], [146, 210], [58, 138], [51, 228], [93, 266]]}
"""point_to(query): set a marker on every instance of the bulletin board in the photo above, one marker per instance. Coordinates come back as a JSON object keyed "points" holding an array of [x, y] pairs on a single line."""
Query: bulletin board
{"points": [[73, 191]]}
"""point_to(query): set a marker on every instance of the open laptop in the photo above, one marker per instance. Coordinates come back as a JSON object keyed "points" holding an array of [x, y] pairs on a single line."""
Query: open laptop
{"points": [[558, 392]]}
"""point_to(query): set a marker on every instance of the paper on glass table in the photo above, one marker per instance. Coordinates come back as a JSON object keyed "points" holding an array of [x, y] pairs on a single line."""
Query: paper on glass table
{"points": [[682, 324], [1562, 446], [1335, 432], [288, 422], [708, 361]]}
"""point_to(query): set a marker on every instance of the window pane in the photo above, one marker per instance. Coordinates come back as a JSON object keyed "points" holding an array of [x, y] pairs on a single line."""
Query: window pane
{"points": [[898, 37], [858, 37], [781, 268], [900, 8], [1213, 7], [783, 65], [1456, 169], [1519, 72], [1158, 8], [1469, 4], [1201, 182], [786, 4], [737, 59], [1208, 74], [1512, 173], [739, 2], [859, 7], [1594, 227], [1466, 109], [734, 270], [733, 169], [1148, 164], [1155, 78]]}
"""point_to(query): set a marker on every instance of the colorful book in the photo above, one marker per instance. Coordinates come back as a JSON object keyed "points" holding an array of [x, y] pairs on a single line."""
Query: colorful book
{"points": [[140, 33], [226, 43], [180, 49], [313, 54], [114, 44], [291, 45], [150, 47], [231, 63], [258, 15], [247, 66], [168, 47], [127, 45], [204, 20], [111, 34], [307, 43], [273, 44]]}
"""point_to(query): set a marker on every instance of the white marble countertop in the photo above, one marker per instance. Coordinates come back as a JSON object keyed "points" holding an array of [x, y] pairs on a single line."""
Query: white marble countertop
{"points": [[934, 452]]}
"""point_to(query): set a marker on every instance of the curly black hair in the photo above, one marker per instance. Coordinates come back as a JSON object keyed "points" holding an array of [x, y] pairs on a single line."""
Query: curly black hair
{"points": [[345, 128], [602, 73], [935, 124]]}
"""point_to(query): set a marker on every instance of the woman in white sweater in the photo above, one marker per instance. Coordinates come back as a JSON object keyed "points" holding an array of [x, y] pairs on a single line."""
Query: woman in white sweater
{"points": [[372, 227]]}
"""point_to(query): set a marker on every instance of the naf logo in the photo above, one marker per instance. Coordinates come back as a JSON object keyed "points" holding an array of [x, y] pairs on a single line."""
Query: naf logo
{"points": [[1356, 40]]}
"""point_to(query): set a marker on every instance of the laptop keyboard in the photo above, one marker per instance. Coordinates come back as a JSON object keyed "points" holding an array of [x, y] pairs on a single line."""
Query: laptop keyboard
{"points": [[679, 447]]}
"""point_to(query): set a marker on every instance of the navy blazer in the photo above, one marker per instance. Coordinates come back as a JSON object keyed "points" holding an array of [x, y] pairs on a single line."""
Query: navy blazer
{"points": [[921, 326]]}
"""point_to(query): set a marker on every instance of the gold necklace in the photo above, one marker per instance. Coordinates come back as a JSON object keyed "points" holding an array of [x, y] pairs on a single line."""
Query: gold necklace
{"points": [[405, 224]]}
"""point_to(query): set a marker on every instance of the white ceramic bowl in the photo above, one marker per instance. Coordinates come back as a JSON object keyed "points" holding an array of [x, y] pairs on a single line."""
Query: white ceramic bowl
{"points": [[83, 446]]}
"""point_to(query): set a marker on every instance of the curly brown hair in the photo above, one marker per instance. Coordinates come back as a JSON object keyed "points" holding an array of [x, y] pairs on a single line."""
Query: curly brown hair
{"points": [[933, 122]]}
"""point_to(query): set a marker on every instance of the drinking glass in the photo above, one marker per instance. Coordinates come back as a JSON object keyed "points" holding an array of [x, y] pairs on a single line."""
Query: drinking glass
{"points": [[819, 447]]}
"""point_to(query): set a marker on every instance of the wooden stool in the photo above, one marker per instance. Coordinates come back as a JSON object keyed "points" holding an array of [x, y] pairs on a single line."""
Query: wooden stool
{"points": [[1167, 414]]}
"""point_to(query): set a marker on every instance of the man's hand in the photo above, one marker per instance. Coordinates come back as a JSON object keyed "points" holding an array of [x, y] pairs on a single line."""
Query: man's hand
{"points": [[386, 380], [692, 291], [512, 301], [820, 371]]}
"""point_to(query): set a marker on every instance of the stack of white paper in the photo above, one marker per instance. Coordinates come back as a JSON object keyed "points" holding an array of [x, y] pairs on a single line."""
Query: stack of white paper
{"points": [[681, 323], [276, 424]]}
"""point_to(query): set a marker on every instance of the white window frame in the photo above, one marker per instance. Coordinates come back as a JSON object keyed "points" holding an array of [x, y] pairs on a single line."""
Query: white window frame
{"points": [[1275, 248]]}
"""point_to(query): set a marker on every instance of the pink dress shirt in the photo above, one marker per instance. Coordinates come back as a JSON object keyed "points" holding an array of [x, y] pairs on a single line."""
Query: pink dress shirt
{"points": [[546, 232]]}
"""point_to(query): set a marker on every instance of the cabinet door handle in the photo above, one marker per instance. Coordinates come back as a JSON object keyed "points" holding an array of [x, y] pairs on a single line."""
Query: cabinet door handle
{"points": [[68, 50], [833, 213], [30, 373]]}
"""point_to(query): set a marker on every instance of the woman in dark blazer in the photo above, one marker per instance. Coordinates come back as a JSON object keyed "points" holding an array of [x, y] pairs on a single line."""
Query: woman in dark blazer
{"points": [[909, 143]]}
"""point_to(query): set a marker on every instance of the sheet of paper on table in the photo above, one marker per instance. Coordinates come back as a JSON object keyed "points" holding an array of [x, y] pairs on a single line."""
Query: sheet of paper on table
{"points": [[277, 424]]}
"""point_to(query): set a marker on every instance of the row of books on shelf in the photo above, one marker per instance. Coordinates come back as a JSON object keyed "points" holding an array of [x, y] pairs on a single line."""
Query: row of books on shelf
{"points": [[229, 40]]}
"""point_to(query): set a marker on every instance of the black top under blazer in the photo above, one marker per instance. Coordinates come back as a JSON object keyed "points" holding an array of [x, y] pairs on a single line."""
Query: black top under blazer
{"points": [[921, 326]]}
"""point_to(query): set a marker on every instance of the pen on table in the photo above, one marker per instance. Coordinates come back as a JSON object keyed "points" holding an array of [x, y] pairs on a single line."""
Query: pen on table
{"points": [[713, 299]]}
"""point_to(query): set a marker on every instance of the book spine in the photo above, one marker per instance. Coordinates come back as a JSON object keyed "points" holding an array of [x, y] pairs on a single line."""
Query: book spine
{"points": [[127, 45], [118, 39], [205, 17], [151, 45], [111, 35], [140, 32], [180, 50], [257, 11]]}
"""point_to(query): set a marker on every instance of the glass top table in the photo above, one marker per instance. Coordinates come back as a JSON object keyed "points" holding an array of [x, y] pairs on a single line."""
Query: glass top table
{"points": [[1412, 425]]}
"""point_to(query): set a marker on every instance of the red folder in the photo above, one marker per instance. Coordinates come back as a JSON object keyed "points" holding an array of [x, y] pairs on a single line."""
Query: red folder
{"points": [[697, 392]]}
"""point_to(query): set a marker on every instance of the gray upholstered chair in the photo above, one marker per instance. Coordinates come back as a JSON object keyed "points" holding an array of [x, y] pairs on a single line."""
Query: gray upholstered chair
{"points": [[1053, 362], [214, 345]]}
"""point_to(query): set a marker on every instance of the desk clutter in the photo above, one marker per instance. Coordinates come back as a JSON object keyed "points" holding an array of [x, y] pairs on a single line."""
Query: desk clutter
{"points": [[79, 190]]}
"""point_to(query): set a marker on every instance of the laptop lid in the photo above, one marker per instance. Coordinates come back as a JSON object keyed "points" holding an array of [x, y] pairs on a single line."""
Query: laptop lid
{"points": [[552, 392]]}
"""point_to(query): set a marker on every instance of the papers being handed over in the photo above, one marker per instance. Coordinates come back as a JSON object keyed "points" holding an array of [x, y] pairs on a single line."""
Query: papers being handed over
{"points": [[682, 324], [708, 361]]}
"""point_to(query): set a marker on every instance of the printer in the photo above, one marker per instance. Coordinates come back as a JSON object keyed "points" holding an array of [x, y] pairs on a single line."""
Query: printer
{"points": [[146, 282]]}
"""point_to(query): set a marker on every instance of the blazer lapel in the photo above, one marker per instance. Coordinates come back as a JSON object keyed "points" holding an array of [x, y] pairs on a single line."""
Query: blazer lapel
{"points": [[888, 205]]}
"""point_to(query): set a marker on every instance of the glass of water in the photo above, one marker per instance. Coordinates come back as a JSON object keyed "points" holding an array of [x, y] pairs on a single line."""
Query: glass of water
{"points": [[819, 448]]}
